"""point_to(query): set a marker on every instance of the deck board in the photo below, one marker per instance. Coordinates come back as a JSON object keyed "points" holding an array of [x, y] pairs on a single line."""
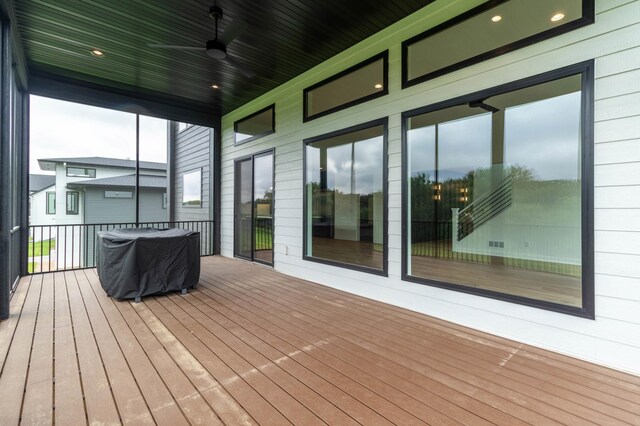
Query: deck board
{"points": [[131, 405], [16, 365], [100, 403], [251, 346], [9, 325], [163, 407], [68, 397], [38, 399]]}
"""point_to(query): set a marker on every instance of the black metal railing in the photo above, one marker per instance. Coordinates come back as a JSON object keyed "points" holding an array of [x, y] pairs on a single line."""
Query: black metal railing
{"points": [[485, 208], [433, 239], [260, 239], [264, 233], [67, 247]]}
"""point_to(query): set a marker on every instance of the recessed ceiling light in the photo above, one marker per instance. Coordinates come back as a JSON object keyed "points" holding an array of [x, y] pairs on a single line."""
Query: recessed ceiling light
{"points": [[557, 17], [97, 52], [378, 86], [496, 18], [215, 86]]}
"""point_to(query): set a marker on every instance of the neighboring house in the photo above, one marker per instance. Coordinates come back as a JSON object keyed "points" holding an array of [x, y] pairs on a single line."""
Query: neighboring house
{"points": [[39, 186], [39, 182], [91, 191]]}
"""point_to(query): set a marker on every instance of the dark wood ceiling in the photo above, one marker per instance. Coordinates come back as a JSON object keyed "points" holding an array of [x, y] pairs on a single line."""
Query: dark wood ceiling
{"points": [[283, 39]]}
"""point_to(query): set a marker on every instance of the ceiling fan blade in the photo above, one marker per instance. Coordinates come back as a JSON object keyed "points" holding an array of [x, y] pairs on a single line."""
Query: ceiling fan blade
{"points": [[168, 46], [234, 29], [245, 70]]}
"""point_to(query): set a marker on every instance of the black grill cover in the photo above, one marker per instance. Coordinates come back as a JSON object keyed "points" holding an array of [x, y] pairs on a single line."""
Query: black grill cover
{"points": [[133, 263]]}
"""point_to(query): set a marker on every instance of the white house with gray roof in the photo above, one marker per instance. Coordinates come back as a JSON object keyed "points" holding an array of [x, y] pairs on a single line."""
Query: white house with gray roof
{"points": [[89, 191]]}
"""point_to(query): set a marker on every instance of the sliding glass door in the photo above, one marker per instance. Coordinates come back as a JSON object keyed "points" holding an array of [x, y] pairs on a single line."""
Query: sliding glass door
{"points": [[253, 235]]}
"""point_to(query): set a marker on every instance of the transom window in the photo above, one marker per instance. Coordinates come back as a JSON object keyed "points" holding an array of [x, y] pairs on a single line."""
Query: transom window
{"points": [[489, 30], [81, 172], [256, 125], [363, 82], [498, 189]]}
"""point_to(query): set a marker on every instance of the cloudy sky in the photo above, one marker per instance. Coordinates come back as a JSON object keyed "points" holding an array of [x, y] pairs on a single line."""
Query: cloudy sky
{"points": [[542, 136], [65, 129]]}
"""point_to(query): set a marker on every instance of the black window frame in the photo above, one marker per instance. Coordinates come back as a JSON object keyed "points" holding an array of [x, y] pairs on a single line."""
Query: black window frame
{"points": [[88, 173], [48, 211], [236, 201], [586, 70], [271, 107], [384, 122], [76, 211], [385, 89], [588, 17]]}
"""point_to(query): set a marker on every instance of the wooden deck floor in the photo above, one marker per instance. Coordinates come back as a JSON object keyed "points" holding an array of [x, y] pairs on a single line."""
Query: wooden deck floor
{"points": [[252, 346]]}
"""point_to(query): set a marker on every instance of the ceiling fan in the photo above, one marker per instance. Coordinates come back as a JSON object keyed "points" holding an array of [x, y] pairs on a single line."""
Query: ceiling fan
{"points": [[217, 48]]}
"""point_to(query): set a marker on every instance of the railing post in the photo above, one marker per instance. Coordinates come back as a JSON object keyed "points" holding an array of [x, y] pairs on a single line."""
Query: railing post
{"points": [[454, 229]]}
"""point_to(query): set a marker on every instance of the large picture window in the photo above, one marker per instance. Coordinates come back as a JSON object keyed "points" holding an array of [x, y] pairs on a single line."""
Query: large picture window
{"points": [[489, 30], [345, 197], [499, 192]]}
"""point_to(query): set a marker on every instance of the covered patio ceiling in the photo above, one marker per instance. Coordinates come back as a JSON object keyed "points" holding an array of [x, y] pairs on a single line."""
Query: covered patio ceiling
{"points": [[282, 39]]}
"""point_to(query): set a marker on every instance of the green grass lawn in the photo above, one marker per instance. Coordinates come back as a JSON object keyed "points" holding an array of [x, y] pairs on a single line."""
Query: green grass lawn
{"points": [[41, 248], [264, 239]]}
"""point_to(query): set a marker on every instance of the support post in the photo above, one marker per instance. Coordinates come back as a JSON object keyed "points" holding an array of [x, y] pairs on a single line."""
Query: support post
{"points": [[217, 182], [5, 172]]}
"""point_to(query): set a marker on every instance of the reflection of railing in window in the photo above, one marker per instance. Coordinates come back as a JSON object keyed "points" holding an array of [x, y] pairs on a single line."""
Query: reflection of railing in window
{"points": [[69, 247], [485, 208], [434, 239], [264, 233]]}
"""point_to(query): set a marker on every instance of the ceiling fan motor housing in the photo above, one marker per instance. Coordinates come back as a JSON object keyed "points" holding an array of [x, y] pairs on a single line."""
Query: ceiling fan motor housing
{"points": [[216, 49], [215, 12]]}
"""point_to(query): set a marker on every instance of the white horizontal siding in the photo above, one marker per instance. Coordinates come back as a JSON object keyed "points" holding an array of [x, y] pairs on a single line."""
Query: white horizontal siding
{"points": [[614, 42], [618, 152], [192, 151]]}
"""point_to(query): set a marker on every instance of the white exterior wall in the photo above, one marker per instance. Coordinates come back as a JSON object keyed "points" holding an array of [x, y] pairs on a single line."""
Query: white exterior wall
{"points": [[38, 212], [613, 338]]}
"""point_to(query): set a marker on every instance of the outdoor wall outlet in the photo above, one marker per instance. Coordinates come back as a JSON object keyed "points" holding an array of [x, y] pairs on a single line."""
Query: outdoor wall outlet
{"points": [[286, 250]]}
